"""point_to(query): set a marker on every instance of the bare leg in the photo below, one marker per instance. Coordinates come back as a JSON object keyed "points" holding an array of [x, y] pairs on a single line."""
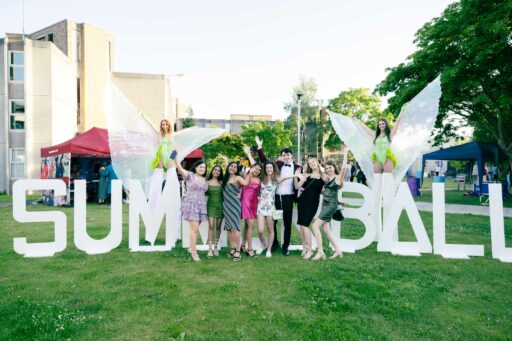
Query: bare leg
{"points": [[318, 236], [270, 225], [244, 239], [377, 167], [211, 224], [303, 240], [250, 225], [309, 243], [218, 225], [332, 240], [261, 227], [194, 227], [388, 166]]}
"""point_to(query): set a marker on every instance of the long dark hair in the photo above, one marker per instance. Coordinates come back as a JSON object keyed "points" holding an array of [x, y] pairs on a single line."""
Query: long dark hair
{"points": [[197, 164], [387, 131], [226, 175], [221, 175], [332, 163]]}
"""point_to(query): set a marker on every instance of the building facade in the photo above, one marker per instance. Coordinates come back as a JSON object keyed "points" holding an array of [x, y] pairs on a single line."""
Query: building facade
{"points": [[51, 88]]}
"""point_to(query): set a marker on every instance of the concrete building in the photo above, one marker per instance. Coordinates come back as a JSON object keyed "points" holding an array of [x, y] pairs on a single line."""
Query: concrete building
{"points": [[51, 88], [233, 125]]}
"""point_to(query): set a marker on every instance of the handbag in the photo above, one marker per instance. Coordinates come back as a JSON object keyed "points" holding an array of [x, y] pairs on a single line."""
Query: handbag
{"points": [[278, 214], [338, 216]]}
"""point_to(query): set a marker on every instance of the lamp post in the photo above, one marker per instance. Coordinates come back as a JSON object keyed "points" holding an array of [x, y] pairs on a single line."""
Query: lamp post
{"points": [[299, 160]]}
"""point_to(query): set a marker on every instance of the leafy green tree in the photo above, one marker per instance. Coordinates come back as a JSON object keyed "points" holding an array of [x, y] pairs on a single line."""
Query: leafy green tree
{"points": [[356, 102], [188, 122], [470, 45], [275, 136], [227, 144]]}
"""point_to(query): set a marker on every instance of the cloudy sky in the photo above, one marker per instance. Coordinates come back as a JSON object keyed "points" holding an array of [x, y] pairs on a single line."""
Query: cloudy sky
{"points": [[244, 57]]}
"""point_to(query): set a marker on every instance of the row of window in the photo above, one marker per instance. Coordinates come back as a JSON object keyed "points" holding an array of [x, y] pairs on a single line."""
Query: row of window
{"points": [[17, 161]]}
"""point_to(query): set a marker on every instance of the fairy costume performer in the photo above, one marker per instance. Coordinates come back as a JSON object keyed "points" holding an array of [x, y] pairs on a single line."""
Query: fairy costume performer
{"points": [[140, 152], [385, 155]]}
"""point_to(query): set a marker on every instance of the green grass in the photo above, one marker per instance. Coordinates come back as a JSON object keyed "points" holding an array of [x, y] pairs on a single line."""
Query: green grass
{"points": [[165, 296], [452, 195]]}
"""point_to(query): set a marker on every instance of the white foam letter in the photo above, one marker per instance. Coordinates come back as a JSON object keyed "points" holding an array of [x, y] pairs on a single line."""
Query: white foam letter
{"points": [[461, 251], [403, 200], [82, 239], [499, 250], [21, 215]]}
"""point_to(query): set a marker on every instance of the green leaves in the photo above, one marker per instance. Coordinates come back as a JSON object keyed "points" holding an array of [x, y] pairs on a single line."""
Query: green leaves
{"points": [[470, 46]]}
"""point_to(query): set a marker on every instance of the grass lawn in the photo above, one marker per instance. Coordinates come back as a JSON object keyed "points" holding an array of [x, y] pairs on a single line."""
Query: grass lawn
{"points": [[452, 195], [166, 296]]}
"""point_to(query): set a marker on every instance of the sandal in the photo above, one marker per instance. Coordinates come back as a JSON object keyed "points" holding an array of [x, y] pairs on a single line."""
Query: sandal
{"points": [[210, 254], [251, 253], [231, 253], [235, 257], [216, 251]]}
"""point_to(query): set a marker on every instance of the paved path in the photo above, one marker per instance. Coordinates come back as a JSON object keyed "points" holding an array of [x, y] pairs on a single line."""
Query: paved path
{"points": [[450, 208]]}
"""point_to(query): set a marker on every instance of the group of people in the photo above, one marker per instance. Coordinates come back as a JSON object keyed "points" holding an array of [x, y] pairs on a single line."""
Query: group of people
{"points": [[262, 195]]}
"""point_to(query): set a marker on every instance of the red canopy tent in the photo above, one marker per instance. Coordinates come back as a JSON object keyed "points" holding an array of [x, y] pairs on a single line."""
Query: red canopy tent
{"points": [[93, 142]]}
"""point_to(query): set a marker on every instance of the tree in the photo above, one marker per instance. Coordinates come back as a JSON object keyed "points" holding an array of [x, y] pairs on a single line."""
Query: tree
{"points": [[470, 45], [275, 136], [227, 144], [189, 120], [356, 102]]}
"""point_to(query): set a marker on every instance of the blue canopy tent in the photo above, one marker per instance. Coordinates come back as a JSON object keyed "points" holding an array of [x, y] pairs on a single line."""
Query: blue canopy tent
{"points": [[472, 151]]}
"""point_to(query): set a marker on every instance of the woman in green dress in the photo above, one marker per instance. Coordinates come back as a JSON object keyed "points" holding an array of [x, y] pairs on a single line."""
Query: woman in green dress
{"points": [[215, 209]]}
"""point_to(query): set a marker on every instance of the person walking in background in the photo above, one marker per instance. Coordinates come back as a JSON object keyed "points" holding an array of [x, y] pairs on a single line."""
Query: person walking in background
{"points": [[103, 183]]}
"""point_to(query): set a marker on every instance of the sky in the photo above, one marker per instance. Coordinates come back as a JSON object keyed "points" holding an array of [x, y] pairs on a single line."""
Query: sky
{"points": [[244, 57]]}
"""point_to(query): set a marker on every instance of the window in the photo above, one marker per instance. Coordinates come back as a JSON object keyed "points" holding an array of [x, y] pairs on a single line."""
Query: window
{"points": [[16, 66], [41, 38], [17, 114], [50, 37], [17, 163]]}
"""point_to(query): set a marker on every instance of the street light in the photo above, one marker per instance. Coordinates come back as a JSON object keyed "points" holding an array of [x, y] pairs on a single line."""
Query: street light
{"points": [[299, 95]]}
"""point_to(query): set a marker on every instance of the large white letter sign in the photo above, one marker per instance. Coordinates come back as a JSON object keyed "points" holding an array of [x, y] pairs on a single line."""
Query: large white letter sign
{"points": [[20, 214], [499, 250], [460, 251], [82, 239], [360, 213], [140, 207], [403, 199]]}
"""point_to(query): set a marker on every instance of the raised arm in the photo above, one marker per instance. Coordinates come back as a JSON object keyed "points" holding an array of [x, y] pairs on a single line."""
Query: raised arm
{"points": [[369, 131], [181, 170], [241, 181], [247, 151], [397, 122], [261, 154], [341, 175]]}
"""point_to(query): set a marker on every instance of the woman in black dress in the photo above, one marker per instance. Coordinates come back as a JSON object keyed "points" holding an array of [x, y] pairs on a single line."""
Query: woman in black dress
{"points": [[311, 185]]}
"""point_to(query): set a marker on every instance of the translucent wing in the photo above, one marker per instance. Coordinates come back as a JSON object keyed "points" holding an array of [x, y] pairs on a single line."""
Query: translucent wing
{"points": [[187, 140], [132, 139], [354, 134], [413, 131]]}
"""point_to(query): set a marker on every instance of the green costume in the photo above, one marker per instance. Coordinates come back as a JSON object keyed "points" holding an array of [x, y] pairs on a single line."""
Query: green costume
{"points": [[164, 151], [215, 202], [381, 151]]}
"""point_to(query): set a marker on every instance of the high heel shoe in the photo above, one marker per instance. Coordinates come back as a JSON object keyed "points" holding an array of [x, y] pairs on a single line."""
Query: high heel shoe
{"points": [[337, 254], [210, 254], [216, 251], [268, 254], [308, 255], [319, 256], [195, 256], [304, 251]]}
